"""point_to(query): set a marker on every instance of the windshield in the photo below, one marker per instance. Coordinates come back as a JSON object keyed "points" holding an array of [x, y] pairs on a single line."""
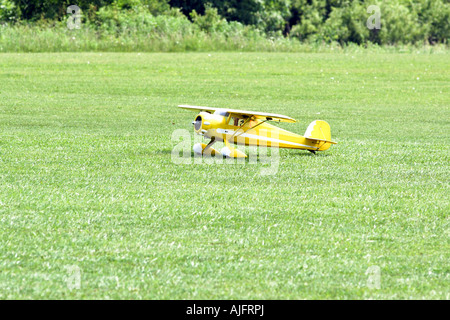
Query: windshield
{"points": [[222, 113]]}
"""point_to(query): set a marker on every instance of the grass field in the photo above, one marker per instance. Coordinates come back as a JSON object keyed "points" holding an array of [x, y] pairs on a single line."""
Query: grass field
{"points": [[88, 190]]}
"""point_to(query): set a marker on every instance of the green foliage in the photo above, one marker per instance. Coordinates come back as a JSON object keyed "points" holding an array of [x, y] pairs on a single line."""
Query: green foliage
{"points": [[346, 24], [244, 11], [8, 11], [312, 21], [311, 15], [211, 21], [399, 25], [136, 20], [155, 7], [275, 15], [434, 17], [268, 15], [54, 9], [345, 21]]}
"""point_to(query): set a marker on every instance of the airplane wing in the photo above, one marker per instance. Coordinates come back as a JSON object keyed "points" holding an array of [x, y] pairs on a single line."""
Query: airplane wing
{"points": [[258, 115]]}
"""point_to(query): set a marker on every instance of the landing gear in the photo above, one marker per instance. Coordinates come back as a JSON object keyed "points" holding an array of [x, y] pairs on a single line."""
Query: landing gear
{"points": [[312, 151], [213, 140], [203, 149], [230, 152]]}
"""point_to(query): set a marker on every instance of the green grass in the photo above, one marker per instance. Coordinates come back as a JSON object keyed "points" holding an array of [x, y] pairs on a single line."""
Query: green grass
{"points": [[86, 178]]}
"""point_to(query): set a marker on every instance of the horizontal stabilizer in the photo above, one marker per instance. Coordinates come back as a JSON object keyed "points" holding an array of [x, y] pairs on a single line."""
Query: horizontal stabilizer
{"points": [[329, 141]]}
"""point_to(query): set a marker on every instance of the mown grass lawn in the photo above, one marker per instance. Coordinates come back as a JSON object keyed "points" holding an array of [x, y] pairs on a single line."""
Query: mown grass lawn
{"points": [[88, 186]]}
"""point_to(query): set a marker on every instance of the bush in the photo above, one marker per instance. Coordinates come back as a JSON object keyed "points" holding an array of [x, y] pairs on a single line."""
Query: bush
{"points": [[313, 21], [211, 21], [310, 16], [434, 16], [8, 11], [346, 24], [402, 22]]}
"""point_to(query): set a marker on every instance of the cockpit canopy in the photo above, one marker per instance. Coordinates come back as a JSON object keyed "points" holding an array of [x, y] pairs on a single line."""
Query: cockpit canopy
{"points": [[222, 113]]}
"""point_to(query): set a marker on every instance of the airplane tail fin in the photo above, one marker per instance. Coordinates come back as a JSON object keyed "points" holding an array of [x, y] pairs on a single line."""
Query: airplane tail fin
{"points": [[320, 131]]}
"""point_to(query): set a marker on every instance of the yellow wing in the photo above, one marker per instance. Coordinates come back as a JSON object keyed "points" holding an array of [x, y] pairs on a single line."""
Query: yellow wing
{"points": [[258, 115]]}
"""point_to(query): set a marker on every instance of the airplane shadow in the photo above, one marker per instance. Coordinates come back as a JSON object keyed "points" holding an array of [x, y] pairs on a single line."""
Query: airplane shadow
{"points": [[258, 158], [296, 154], [181, 155], [308, 154]]}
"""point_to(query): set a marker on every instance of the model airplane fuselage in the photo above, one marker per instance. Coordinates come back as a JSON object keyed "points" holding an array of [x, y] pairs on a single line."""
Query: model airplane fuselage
{"points": [[252, 129]]}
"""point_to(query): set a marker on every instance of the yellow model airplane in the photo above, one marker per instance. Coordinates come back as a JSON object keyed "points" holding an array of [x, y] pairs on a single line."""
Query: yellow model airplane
{"points": [[251, 129]]}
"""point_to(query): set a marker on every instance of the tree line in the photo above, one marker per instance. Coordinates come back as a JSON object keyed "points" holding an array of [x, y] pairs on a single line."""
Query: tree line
{"points": [[342, 21]]}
